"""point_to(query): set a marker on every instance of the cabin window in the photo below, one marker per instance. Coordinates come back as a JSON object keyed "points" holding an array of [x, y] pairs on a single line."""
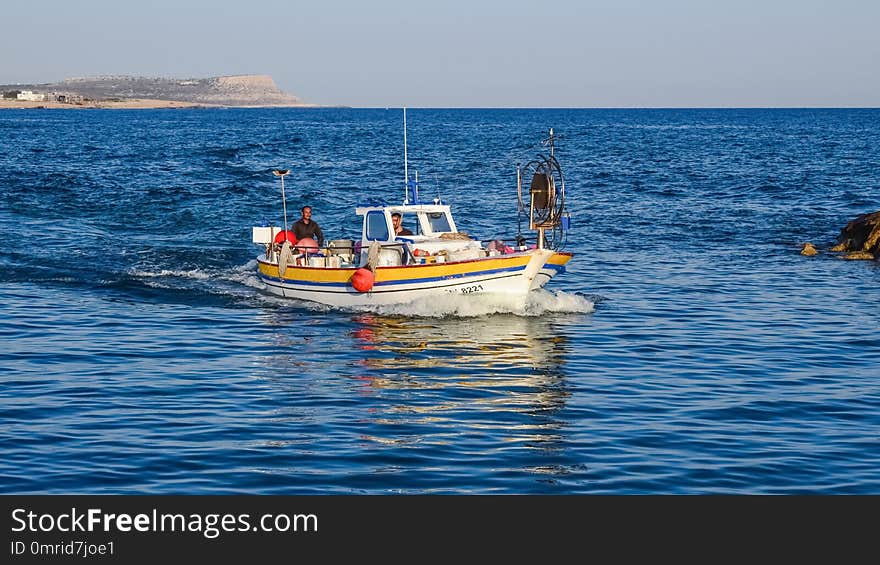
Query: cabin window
{"points": [[377, 227], [439, 222]]}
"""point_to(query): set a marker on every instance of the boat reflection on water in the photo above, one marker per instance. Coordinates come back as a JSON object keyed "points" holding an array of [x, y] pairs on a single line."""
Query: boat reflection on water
{"points": [[503, 345], [499, 374], [428, 403]]}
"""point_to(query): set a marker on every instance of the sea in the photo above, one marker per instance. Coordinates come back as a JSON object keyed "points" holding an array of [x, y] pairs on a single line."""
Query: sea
{"points": [[689, 348]]}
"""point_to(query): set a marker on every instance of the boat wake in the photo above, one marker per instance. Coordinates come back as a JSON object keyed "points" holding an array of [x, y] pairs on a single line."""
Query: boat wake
{"points": [[537, 303], [237, 283], [195, 274], [240, 282], [170, 278]]}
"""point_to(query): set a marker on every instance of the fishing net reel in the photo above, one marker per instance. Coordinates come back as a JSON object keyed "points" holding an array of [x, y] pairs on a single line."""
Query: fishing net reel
{"points": [[545, 208]]}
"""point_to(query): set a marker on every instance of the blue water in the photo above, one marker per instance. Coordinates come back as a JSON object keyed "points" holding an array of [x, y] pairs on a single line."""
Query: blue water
{"points": [[689, 348]]}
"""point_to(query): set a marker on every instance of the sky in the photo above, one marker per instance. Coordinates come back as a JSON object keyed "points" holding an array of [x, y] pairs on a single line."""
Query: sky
{"points": [[476, 54]]}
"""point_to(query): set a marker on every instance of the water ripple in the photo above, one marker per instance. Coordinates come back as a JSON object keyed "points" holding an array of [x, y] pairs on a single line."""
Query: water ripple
{"points": [[689, 348]]}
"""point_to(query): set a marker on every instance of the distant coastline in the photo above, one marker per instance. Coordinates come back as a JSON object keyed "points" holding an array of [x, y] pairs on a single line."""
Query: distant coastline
{"points": [[93, 104], [134, 103], [130, 92]]}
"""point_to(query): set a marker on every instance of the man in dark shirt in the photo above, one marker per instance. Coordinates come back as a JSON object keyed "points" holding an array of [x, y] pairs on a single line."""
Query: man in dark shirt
{"points": [[306, 227], [398, 229]]}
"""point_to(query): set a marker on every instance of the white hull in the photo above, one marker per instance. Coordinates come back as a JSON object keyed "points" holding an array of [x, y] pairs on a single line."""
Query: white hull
{"points": [[514, 275]]}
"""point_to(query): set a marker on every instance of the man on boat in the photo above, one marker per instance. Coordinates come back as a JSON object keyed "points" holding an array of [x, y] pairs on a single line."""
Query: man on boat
{"points": [[306, 227], [399, 229]]}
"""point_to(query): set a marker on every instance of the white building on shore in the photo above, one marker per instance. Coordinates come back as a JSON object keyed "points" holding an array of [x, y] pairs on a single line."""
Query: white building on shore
{"points": [[31, 96]]}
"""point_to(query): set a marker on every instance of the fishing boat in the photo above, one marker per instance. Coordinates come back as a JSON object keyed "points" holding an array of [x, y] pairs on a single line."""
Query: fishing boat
{"points": [[382, 268]]}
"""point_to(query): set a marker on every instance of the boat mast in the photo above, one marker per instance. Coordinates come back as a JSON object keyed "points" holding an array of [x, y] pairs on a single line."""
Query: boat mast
{"points": [[405, 163], [281, 173]]}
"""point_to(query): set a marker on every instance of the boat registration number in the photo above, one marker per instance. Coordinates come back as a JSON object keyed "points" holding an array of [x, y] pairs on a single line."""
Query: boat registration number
{"points": [[469, 289]]}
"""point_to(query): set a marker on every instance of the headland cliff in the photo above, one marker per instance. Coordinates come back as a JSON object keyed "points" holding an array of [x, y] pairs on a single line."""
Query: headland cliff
{"points": [[122, 91]]}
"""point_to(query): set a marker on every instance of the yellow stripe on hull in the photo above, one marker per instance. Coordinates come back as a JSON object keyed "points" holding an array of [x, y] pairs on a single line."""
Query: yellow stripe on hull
{"points": [[396, 274]]}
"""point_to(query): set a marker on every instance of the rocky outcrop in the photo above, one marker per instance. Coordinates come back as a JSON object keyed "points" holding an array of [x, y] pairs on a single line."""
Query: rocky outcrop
{"points": [[809, 249], [860, 239], [239, 90], [248, 90]]}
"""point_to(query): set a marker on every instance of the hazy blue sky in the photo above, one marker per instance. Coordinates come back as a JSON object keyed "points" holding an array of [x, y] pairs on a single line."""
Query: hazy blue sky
{"points": [[454, 53]]}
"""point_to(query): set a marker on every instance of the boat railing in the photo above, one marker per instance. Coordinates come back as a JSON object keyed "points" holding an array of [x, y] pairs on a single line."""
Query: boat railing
{"points": [[350, 253]]}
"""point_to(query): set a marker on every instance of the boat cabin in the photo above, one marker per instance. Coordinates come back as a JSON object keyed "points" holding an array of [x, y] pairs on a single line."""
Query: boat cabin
{"points": [[435, 237], [429, 220]]}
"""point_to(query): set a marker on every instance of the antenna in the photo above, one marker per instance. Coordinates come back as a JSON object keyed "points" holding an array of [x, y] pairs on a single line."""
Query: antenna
{"points": [[416, 190], [405, 163], [281, 173], [551, 141]]}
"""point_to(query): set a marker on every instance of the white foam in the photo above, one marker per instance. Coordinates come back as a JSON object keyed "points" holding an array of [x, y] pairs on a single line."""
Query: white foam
{"points": [[246, 275], [543, 301], [536, 303], [196, 274]]}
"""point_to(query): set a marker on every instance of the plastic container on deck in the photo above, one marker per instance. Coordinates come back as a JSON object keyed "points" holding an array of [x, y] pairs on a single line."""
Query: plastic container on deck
{"points": [[340, 247]]}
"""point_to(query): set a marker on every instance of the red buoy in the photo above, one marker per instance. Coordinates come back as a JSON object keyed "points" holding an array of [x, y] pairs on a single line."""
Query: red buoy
{"points": [[280, 236], [362, 280]]}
